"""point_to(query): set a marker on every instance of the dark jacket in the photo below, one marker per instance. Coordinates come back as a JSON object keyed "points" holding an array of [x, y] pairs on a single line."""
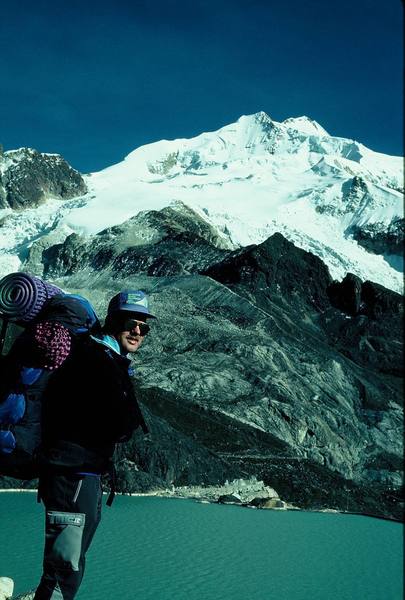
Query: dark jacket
{"points": [[89, 405]]}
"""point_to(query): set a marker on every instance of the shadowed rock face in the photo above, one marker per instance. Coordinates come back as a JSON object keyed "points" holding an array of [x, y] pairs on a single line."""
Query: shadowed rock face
{"points": [[379, 239], [367, 327], [277, 272], [259, 364], [31, 177], [371, 332]]}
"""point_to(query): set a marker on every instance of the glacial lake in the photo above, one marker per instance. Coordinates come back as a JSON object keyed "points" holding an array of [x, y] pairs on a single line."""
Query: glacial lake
{"points": [[151, 548]]}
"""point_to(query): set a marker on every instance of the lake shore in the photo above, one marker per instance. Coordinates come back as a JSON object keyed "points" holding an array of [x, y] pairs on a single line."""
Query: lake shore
{"points": [[211, 495]]}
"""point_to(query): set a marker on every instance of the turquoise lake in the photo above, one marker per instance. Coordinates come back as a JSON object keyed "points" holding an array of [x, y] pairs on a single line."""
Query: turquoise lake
{"points": [[169, 549]]}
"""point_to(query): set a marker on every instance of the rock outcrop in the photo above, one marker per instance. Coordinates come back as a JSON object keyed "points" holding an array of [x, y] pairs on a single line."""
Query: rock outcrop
{"points": [[173, 241], [28, 178], [6, 588], [380, 239]]}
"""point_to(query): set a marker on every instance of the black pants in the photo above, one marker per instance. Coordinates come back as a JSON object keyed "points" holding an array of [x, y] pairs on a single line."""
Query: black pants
{"points": [[72, 513]]}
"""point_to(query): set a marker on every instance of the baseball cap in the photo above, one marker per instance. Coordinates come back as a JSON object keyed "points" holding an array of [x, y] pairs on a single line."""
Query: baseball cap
{"points": [[131, 300]]}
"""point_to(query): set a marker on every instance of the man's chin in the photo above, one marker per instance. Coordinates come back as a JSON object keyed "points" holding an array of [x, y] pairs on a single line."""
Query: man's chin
{"points": [[132, 345]]}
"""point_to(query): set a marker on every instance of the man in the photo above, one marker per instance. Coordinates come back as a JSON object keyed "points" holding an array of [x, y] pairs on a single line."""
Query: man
{"points": [[89, 405]]}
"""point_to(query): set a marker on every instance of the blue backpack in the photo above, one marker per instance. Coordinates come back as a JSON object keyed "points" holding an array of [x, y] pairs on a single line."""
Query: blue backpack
{"points": [[22, 385]]}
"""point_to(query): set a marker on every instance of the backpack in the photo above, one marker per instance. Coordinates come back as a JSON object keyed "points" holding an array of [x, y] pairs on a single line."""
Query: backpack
{"points": [[59, 320]]}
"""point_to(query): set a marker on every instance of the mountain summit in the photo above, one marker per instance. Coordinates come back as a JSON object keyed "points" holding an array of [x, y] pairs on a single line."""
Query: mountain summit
{"points": [[328, 195]]}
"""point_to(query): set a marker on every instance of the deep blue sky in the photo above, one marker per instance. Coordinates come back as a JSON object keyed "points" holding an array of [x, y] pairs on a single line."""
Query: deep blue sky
{"points": [[94, 80]]}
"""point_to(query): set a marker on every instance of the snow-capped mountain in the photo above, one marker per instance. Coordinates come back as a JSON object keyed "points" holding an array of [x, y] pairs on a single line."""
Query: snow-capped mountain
{"points": [[331, 196], [299, 374]]}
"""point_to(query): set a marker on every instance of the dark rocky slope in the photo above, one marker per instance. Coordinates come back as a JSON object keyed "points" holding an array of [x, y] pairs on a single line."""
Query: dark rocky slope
{"points": [[29, 177], [259, 364], [361, 319]]}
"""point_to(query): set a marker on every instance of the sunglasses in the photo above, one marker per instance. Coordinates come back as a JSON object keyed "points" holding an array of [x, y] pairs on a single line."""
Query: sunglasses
{"points": [[131, 324]]}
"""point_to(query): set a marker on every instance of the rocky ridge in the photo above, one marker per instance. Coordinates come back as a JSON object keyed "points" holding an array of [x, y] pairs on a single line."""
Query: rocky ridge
{"points": [[260, 364], [173, 241]]}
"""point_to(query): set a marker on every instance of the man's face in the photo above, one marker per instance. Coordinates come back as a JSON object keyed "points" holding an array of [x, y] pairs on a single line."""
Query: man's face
{"points": [[132, 334]]}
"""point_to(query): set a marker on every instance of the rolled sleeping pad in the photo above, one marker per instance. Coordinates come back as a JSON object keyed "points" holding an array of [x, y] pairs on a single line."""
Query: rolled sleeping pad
{"points": [[22, 296]]}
